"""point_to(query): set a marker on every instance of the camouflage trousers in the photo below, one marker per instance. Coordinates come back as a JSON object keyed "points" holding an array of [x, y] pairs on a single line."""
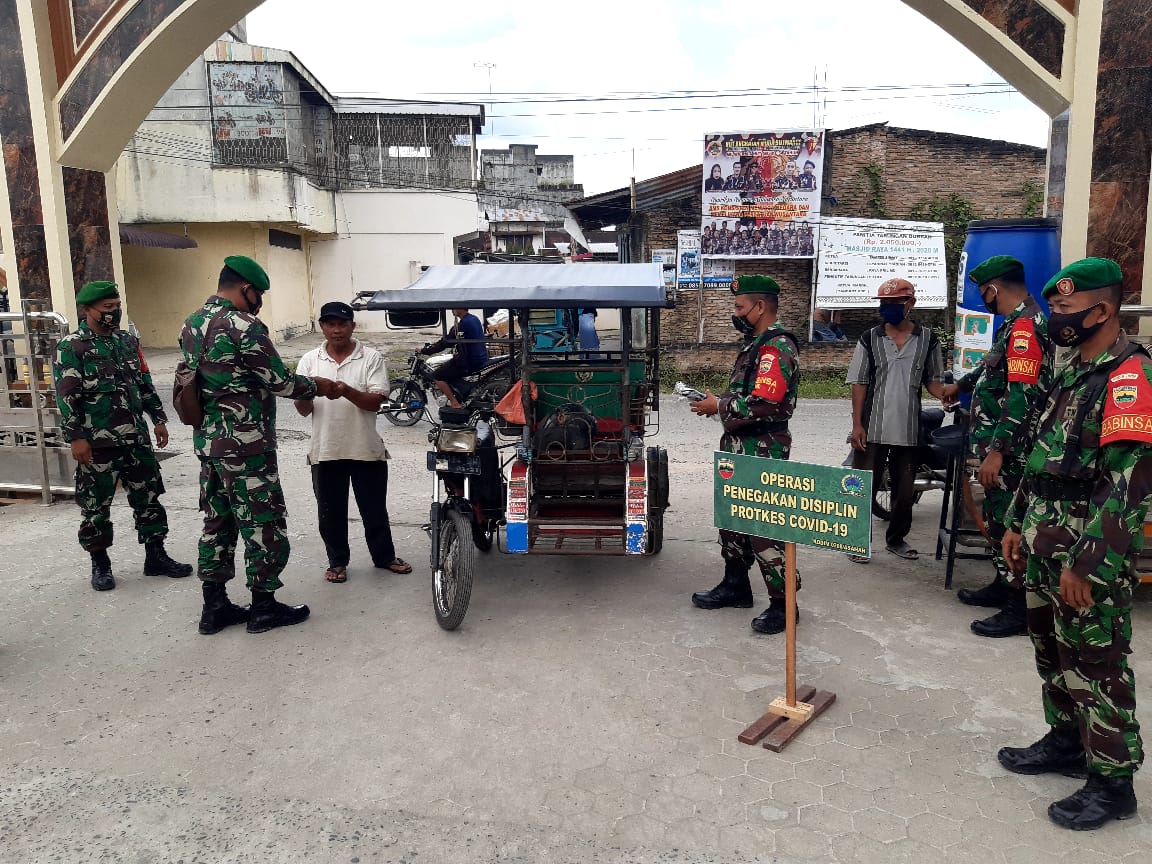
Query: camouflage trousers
{"points": [[1082, 659], [769, 554], [745, 548], [995, 511], [242, 498], [136, 469]]}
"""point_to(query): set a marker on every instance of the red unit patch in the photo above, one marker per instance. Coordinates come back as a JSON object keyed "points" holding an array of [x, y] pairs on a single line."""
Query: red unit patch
{"points": [[770, 382], [1024, 353], [1128, 405]]}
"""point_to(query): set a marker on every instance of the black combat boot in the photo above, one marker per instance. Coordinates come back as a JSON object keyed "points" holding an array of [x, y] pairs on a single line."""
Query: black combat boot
{"points": [[1012, 620], [219, 612], [771, 620], [157, 562], [1101, 800], [734, 589], [102, 578], [993, 595], [1059, 752], [268, 612]]}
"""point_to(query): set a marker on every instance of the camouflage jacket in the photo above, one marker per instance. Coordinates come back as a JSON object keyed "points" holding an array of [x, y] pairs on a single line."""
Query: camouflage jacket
{"points": [[241, 373], [761, 396], [1008, 385], [103, 388], [1100, 531]]}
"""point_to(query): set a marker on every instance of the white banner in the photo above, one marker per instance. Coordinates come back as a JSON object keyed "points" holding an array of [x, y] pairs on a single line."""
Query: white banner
{"points": [[718, 272], [973, 339], [688, 256], [247, 101], [856, 255], [666, 258]]}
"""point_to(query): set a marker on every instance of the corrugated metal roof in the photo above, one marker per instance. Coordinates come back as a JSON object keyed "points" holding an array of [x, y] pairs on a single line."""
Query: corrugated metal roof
{"points": [[134, 235], [661, 190], [374, 105]]}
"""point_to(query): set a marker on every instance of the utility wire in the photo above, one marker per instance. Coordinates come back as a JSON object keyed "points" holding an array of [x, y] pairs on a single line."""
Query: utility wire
{"points": [[463, 195]]}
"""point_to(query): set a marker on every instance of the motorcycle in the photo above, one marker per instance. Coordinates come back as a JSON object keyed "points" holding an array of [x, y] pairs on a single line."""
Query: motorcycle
{"points": [[931, 459], [409, 396]]}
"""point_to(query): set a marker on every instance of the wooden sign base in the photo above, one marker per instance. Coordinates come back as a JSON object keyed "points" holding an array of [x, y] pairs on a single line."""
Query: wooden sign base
{"points": [[788, 715], [778, 730]]}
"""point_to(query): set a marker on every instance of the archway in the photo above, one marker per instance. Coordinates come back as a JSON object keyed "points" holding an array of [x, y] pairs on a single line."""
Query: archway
{"points": [[81, 76]]}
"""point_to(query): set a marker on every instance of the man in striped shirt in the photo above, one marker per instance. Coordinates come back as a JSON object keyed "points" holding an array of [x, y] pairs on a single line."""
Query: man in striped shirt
{"points": [[891, 364]]}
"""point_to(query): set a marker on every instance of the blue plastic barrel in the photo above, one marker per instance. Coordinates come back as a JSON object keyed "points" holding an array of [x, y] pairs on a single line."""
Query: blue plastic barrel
{"points": [[1036, 242]]}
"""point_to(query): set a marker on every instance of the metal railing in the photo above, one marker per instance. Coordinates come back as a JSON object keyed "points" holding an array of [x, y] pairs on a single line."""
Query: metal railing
{"points": [[33, 454]]}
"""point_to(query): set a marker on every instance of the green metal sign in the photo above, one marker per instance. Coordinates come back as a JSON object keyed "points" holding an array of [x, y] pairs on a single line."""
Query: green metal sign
{"points": [[794, 502]]}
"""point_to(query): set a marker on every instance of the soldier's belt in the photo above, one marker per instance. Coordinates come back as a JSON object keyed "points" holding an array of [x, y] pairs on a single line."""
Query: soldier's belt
{"points": [[1052, 488], [765, 427]]}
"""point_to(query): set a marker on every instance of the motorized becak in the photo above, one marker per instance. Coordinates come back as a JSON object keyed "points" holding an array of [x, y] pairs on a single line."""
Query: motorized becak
{"points": [[567, 468]]}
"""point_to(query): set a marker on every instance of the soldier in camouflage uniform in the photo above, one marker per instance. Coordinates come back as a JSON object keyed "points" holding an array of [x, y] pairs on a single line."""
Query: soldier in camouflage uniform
{"points": [[1078, 520], [755, 412], [1006, 387], [103, 390], [241, 374]]}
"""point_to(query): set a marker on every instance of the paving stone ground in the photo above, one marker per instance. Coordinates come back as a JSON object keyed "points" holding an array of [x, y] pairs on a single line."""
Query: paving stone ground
{"points": [[585, 711]]}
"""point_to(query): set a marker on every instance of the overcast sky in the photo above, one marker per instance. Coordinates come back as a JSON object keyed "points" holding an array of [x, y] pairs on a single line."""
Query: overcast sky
{"points": [[599, 48]]}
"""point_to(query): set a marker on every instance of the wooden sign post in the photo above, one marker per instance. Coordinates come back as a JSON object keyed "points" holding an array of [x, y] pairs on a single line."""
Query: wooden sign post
{"points": [[814, 505]]}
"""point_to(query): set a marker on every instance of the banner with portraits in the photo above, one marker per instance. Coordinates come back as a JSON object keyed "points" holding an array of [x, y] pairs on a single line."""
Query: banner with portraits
{"points": [[761, 196]]}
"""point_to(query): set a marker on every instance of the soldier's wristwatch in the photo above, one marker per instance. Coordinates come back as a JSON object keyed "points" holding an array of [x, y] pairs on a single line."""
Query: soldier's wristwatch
{"points": [[997, 445]]}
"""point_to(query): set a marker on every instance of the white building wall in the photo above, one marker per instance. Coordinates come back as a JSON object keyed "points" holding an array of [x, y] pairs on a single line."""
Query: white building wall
{"points": [[166, 174], [383, 237], [290, 304]]}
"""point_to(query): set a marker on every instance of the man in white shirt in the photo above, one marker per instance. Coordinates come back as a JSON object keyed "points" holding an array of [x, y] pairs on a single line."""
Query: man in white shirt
{"points": [[346, 448]]}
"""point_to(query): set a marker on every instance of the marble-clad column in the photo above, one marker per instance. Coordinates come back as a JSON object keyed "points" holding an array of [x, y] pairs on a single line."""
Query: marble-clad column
{"points": [[89, 237], [81, 240], [1122, 149], [20, 163]]}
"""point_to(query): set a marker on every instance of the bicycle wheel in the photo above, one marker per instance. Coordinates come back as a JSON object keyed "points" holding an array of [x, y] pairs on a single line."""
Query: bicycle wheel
{"points": [[452, 581], [412, 400]]}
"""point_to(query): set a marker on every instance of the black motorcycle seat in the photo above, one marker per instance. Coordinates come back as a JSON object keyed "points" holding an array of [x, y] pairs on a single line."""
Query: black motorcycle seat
{"points": [[931, 418], [951, 440], [490, 362]]}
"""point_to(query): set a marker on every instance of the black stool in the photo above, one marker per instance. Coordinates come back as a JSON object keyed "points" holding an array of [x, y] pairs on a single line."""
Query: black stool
{"points": [[954, 529]]}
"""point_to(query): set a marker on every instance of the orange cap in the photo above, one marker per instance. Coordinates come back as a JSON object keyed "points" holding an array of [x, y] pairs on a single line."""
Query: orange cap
{"points": [[895, 288]]}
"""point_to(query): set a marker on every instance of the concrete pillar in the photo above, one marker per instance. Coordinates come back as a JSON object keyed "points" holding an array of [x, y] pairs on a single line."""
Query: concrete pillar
{"points": [[61, 235]]}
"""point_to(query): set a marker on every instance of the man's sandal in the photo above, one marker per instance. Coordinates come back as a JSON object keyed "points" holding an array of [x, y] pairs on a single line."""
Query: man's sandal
{"points": [[336, 574], [398, 565]]}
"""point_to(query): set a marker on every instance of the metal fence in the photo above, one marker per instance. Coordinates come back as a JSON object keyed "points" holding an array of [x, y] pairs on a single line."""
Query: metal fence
{"points": [[33, 454]]}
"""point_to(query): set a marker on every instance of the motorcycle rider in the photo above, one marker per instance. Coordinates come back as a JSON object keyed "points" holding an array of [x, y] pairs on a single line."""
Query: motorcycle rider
{"points": [[1007, 385], [469, 353]]}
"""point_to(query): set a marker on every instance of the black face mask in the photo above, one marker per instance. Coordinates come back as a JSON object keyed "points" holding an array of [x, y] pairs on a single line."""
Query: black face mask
{"points": [[990, 306], [741, 323], [1067, 329], [253, 308]]}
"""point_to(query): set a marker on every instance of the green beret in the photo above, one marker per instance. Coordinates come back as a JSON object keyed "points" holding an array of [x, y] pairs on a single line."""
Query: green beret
{"points": [[754, 283], [95, 291], [994, 268], [1087, 274], [249, 270]]}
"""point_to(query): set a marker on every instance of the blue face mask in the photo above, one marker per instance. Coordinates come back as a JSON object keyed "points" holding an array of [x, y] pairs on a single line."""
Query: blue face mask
{"points": [[892, 313]]}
